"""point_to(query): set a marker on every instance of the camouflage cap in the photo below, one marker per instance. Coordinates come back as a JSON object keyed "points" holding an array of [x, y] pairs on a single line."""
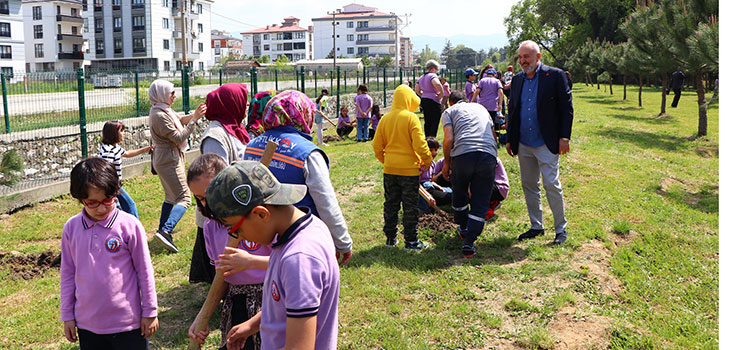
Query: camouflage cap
{"points": [[243, 185]]}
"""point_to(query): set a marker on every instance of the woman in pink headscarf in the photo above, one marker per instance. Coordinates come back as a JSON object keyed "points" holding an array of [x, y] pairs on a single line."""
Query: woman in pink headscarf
{"points": [[170, 134]]}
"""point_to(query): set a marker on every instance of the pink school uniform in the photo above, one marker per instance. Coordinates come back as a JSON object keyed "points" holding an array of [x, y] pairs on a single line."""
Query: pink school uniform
{"points": [[216, 237]]}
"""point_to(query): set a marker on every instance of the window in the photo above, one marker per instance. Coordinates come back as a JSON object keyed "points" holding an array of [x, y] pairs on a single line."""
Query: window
{"points": [[38, 31], [299, 46], [117, 24], [364, 37], [117, 45], [5, 51], [137, 3], [362, 50], [75, 30], [116, 4], [350, 24], [200, 47], [350, 50], [279, 36], [99, 46], [266, 47], [279, 47], [74, 12], [60, 47], [287, 46], [138, 23], [138, 44], [266, 36], [99, 25], [287, 36], [8, 71], [166, 44], [362, 24], [299, 35], [167, 65], [86, 25], [166, 23], [350, 37], [201, 66], [5, 8], [37, 14], [4, 29], [200, 28], [200, 10], [38, 50]]}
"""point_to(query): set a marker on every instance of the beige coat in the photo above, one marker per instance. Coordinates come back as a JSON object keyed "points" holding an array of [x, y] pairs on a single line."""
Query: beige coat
{"points": [[169, 160]]}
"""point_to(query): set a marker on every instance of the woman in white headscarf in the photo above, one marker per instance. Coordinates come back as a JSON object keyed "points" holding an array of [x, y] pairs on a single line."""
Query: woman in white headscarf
{"points": [[169, 135]]}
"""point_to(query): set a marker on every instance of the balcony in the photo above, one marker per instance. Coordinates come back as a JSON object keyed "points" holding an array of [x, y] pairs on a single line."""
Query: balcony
{"points": [[192, 14], [375, 42], [191, 55], [74, 37], [375, 29], [69, 19], [139, 51], [177, 34], [176, 12], [137, 27], [79, 55], [98, 8]]}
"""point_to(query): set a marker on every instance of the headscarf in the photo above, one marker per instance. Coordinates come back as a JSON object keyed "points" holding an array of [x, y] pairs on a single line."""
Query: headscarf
{"points": [[227, 105], [159, 94], [255, 124], [290, 108]]}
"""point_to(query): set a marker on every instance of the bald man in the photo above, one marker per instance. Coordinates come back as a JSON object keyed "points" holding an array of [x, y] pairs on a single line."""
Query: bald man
{"points": [[538, 132]]}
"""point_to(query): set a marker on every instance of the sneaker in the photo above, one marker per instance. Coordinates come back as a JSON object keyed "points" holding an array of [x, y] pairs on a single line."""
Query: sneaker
{"points": [[560, 238], [490, 214], [460, 233], [166, 240], [391, 242], [531, 233], [468, 251], [417, 245]]}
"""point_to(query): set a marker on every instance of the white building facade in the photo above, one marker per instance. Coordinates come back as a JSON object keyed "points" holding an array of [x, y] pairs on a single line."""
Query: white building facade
{"points": [[12, 49], [359, 31], [53, 35], [287, 39], [148, 34], [224, 45]]}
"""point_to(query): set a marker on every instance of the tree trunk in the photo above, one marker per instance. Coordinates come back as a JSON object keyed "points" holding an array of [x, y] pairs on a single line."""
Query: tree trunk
{"points": [[665, 83], [702, 127], [585, 78], [641, 85], [624, 87], [598, 83], [610, 85]]}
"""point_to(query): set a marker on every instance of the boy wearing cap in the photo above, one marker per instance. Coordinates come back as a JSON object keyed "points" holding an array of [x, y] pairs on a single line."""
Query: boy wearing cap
{"points": [[302, 283], [470, 87], [490, 95]]}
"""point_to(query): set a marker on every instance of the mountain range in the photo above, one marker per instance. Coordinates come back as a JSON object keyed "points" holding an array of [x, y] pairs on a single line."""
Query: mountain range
{"points": [[476, 42]]}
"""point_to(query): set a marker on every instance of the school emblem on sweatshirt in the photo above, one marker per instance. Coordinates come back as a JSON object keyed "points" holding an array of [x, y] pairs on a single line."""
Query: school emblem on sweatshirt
{"points": [[285, 143], [251, 246], [113, 243], [242, 194], [275, 291]]}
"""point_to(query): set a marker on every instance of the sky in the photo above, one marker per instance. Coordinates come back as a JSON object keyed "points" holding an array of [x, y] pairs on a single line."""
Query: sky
{"points": [[427, 17]]}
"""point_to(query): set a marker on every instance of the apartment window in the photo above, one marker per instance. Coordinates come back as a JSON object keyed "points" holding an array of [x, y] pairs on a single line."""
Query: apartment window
{"points": [[350, 50], [287, 36], [38, 31], [279, 47], [166, 44], [5, 51], [167, 65], [266, 47], [116, 4], [37, 15], [362, 24], [99, 25], [117, 24], [99, 46], [5, 8], [75, 30], [350, 24], [279, 36], [166, 3], [300, 46], [200, 28], [138, 23], [362, 50], [201, 66], [138, 45], [299, 35], [117, 45], [60, 47], [86, 25], [74, 12], [5, 29], [266, 36], [364, 37], [200, 8], [166, 23], [38, 50], [350, 37], [137, 3], [200, 47], [287, 46], [8, 71]]}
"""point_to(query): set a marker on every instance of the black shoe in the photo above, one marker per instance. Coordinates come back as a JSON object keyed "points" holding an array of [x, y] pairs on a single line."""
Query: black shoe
{"points": [[391, 242], [418, 245], [531, 233], [166, 240], [561, 237], [468, 250]]}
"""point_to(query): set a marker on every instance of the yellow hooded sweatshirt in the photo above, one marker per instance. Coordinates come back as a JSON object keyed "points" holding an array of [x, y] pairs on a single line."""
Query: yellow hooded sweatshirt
{"points": [[399, 142]]}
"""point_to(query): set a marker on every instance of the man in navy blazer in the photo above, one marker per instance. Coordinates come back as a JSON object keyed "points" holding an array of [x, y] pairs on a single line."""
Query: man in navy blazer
{"points": [[538, 132]]}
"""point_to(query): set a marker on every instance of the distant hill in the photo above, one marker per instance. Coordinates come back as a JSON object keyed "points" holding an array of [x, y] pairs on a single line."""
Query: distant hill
{"points": [[476, 42]]}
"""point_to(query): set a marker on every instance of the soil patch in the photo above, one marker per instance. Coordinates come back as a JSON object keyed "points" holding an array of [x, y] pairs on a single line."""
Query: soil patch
{"points": [[331, 138], [437, 221], [573, 332], [28, 266], [595, 258], [707, 152]]}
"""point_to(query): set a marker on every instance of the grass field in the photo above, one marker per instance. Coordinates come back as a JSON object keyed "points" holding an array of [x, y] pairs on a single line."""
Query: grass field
{"points": [[639, 271]]}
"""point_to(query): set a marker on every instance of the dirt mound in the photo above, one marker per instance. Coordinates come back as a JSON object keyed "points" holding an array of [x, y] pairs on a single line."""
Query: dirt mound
{"points": [[437, 221], [27, 266], [331, 138], [575, 331]]}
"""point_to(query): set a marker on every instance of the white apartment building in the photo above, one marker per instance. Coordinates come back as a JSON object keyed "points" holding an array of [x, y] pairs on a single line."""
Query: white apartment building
{"points": [[359, 31], [148, 34], [287, 39], [53, 35], [224, 45], [12, 50]]}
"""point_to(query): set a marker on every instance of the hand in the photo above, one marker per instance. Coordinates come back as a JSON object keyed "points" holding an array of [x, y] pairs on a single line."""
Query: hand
{"points": [[346, 256], [148, 148], [237, 336], [425, 167], [432, 202], [200, 111], [504, 126], [149, 326], [234, 260], [69, 329], [446, 172], [509, 149], [564, 146], [200, 336]]}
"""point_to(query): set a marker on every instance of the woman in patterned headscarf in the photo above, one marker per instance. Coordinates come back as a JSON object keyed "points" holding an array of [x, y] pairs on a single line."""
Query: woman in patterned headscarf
{"points": [[170, 139], [287, 119]]}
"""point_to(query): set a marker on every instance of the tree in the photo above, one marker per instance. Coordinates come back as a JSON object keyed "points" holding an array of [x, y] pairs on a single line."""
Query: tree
{"points": [[365, 60], [447, 55], [464, 57], [282, 63], [264, 59], [384, 62], [427, 54], [10, 167]]}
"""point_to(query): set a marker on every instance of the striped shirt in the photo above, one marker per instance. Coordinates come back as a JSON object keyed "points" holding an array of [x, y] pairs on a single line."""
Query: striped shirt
{"points": [[113, 154]]}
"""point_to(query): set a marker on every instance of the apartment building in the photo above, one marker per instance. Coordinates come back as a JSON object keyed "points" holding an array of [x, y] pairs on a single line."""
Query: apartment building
{"points": [[359, 31], [12, 50], [406, 52], [53, 35], [148, 34], [287, 39], [224, 45]]}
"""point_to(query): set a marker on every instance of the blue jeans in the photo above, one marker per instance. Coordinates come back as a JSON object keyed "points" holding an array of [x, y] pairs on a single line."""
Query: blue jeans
{"points": [[362, 129], [126, 203], [170, 215], [473, 170]]}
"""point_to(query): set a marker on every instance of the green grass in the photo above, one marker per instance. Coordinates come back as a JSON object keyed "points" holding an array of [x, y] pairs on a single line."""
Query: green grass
{"points": [[639, 271]]}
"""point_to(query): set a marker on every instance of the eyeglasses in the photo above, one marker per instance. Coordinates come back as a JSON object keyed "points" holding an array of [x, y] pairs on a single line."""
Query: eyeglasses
{"points": [[95, 204], [232, 231], [205, 210]]}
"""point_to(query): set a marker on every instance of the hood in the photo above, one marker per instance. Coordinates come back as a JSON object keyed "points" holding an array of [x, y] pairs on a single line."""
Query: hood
{"points": [[405, 98]]}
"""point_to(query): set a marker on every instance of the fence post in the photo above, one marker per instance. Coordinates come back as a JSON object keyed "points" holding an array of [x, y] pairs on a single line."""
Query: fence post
{"points": [[251, 73], [296, 78], [338, 89], [357, 77], [385, 88], [316, 91], [400, 71], [364, 75], [136, 90], [220, 76], [304, 89], [186, 89], [345, 80], [255, 80], [82, 113], [276, 79], [5, 104]]}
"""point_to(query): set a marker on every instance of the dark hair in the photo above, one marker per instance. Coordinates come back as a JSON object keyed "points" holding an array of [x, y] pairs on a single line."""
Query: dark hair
{"points": [[376, 110], [484, 70], [410, 84], [432, 142], [110, 132], [456, 96], [324, 91], [363, 88], [207, 164], [94, 172]]}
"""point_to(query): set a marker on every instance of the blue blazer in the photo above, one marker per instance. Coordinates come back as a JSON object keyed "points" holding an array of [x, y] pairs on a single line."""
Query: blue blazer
{"points": [[554, 108]]}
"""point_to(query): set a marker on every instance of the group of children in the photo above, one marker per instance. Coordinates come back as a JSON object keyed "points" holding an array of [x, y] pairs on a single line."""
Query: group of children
{"points": [[366, 114]]}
